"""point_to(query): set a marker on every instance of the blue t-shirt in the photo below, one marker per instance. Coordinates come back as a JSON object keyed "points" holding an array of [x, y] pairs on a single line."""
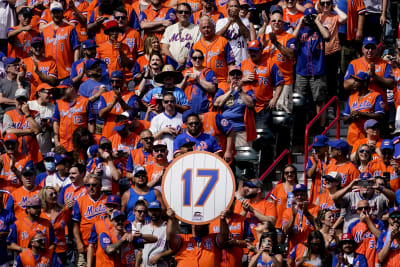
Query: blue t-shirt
{"points": [[179, 94], [359, 260], [7, 219], [198, 100], [203, 142]]}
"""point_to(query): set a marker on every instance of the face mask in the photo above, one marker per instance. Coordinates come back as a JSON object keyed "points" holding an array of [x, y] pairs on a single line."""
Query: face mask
{"points": [[50, 165]]}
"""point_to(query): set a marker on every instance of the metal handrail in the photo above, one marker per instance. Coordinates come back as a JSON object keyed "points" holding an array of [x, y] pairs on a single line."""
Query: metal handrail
{"points": [[336, 120], [273, 166]]}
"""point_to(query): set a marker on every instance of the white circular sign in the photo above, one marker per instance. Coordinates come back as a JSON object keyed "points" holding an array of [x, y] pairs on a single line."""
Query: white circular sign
{"points": [[198, 186]]}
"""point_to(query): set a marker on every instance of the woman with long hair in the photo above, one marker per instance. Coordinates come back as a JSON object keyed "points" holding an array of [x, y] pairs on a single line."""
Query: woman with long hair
{"points": [[325, 222], [267, 254], [152, 69], [82, 139], [58, 216], [363, 157], [151, 44], [282, 193]]}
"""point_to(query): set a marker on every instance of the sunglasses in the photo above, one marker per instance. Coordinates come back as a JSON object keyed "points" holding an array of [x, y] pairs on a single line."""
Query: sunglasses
{"points": [[115, 81], [372, 47], [37, 47], [365, 151], [289, 172], [169, 101], [363, 208], [315, 244], [186, 12], [91, 185], [119, 220], [193, 123], [197, 58], [325, 3], [140, 175], [395, 216], [276, 20], [160, 150], [106, 146], [141, 211], [53, 194], [36, 207], [237, 74], [39, 240], [120, 17], [148, 139]]}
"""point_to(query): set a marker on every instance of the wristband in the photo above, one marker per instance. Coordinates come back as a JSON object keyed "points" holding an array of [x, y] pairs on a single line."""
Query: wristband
{"points": [[28, 116]]}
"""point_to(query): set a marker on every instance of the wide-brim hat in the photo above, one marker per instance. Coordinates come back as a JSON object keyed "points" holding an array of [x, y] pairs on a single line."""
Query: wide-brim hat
{"points": [[169, 71]]}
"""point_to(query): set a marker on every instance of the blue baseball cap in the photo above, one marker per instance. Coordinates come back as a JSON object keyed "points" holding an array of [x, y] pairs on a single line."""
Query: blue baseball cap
{"points": [[387, 144], [113, 200], [89, 43], [117, 74], [299, 187], [121, 125], [138, 169], [276, 8], [116, 214], [320, 140], [339, 145], [361, 76], [394, 209], [155, 205], [369, 40], [37, 40], [11, 60], [49, 155], [310, 11], [29, 169], [365, 176], [254, 183], [91, 62], [371, 123], [59, 158], [66, 83], [92, 151]]}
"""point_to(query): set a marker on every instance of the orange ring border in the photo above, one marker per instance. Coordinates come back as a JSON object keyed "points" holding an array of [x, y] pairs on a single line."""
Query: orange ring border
{"points": [[172, 164]]}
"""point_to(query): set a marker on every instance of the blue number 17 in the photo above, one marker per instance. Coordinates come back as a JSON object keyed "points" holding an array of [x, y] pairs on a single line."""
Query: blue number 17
{"points": [[187, 186]]}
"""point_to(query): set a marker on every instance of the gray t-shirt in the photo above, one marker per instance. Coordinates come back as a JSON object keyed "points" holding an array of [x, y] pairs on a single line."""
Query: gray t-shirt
{"points": [[8, 89], [378, 202], [156, 248]]}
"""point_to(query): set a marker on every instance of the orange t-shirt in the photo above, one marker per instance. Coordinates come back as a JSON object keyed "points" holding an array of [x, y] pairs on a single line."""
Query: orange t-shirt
{"points": [[377, 167], [347, 170], [20, 44], [112, 58], [331, 22], [59, 226], [26, 230], [282, 200], [8, 180], [21, 196]]}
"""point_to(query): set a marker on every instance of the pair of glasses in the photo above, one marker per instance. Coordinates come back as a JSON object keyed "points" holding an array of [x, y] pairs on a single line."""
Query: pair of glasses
{"points": [[91, 185], [325, 3], [148, 139], [186, 12], [197, 58], [161, 150], [140, 175], [193, 123], [363, 208], [235, 74], [39, 240], [53, 194], [365, 151], [37, 47], [289, 172], [141, 211], [120, 17], [169, 101], [395, 216], [115, 81], [277, 20], [36, 207], [368, 47], [119, 220]]}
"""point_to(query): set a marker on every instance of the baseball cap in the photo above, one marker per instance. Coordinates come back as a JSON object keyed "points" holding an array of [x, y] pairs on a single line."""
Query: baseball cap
{"points": [[117, 74], [155, 205], [66, 83], [243, 3], [347, 237], [365, 176], [235, 68], [10, 138], [111, 24], [371, 123], [276, 8], [320, 140], [369, 40], [11, 60], [254, 183], [299, 187], [91, 62], [139, 169], [25, 11], [104, 140], [339, 145], [37, 40], [43, 86], [113, 200], [159, 143], [49, 155], [394, 209], [333, 176], [387, 144], [56, 6], [361, 76], [116, 214], [59, 158], [28, 170], [92, 151], [21, 93], [130, 114], [121, 125], [89, 43], [254, 45], [33, 201], [310, 11]]}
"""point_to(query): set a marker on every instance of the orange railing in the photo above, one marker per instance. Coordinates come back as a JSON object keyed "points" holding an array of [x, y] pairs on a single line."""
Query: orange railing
{"points": [[273, 166], [336, 120]]}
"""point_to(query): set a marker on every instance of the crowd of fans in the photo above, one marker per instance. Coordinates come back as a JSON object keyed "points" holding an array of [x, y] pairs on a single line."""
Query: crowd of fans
{"points": [[98, 98]]}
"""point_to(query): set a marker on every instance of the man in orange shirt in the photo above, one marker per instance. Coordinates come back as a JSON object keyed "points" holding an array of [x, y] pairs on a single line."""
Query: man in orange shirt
{"points": [[141, 156], [27, 190], [208, 10], [155, 171], [216, 49], [61, 41], [339, 151], [200, 248]]}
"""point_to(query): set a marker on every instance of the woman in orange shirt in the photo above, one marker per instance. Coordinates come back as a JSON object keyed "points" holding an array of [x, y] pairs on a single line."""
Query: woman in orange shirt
{"points": [[363, 157], [282, 193]]}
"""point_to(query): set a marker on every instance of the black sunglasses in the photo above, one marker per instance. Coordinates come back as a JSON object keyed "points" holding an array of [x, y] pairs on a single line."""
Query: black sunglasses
{"points": [[198, 58], [325, 3], [89, 185], [187, 12], [193, 123]]}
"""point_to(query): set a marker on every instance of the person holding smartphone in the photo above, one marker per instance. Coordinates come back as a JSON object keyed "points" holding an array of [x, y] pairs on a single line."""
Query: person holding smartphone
{"points": [[267, 254]]}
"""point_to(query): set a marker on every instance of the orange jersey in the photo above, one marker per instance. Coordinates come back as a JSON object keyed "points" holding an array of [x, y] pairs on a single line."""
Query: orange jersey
{"points": [[324, 201], [28, 144], [154, 170], [111, 57], [139, 157], [60, 45], [347, 170], [369, 103], [301, 226], [396, 89], [292, 19], [8, 180], [198, 254], [382, 69], [316, 185], [194, 4], [25, 230], [125, 144], [71, 116], [238, 230], [214, 15], [282, 201], [363, 141], [134, 41], [107, 99], [298, 251], [20, 196], [149, 14], [365, 239], [211, 121], [284, 63], [59, 226], [20, 44], [46, 66], [377, 167], [221, 7], [86, 212], [355, 8], [43, 259], [217, 56], [71, 192], [267, 76]]}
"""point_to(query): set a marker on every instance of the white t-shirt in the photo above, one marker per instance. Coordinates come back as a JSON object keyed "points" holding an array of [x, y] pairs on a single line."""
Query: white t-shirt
{"points": [[161, 121], [181, 39], [55, 181], [236, 39], [152, 249], [44, 139]]}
